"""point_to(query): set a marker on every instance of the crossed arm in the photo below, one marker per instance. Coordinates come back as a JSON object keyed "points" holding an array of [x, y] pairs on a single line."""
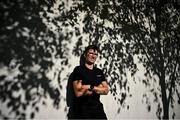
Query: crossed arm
{"points": [[81, 89]]}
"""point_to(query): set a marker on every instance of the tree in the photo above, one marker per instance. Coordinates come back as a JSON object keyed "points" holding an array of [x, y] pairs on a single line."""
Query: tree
{"points": [[26, 49], [153, 32], [150, 31], [124, 30]]}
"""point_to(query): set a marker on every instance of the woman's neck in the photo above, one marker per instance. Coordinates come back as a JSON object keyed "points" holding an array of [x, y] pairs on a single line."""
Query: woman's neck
{"points": [[89, 66]]}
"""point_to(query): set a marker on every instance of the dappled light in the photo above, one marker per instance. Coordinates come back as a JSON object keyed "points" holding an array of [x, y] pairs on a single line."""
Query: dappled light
{"points": [[38, 37]]}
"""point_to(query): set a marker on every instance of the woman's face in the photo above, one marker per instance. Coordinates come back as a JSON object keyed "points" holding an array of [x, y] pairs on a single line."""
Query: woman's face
{"points": [[91, 56]]}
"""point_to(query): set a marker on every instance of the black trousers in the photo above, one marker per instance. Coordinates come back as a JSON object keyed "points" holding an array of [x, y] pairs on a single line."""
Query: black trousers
{"points": [[87, 112]]}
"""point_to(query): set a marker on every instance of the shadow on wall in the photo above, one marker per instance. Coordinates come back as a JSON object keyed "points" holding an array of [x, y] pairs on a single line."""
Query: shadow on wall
{"points": [[27, 45], [26, 58]]}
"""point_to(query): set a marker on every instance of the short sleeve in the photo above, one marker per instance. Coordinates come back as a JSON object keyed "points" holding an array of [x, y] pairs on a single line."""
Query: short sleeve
{"points": [[103, 76], [77, 74]]}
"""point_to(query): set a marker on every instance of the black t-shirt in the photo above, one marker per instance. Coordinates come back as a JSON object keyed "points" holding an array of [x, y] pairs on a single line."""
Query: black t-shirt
{"points": [[89, 77]]}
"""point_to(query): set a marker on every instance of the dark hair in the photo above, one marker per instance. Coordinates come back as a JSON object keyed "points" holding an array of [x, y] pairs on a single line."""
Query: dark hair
{"points": [[82, 58], [94, 47]]}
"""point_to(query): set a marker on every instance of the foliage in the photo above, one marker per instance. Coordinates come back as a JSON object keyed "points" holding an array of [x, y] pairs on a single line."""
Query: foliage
{"points": [[124, 30], [26, 49], [149, 31]]}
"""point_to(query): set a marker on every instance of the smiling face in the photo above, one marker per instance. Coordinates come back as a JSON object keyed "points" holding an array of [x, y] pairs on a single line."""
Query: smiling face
{"points": [[91, 56]]}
